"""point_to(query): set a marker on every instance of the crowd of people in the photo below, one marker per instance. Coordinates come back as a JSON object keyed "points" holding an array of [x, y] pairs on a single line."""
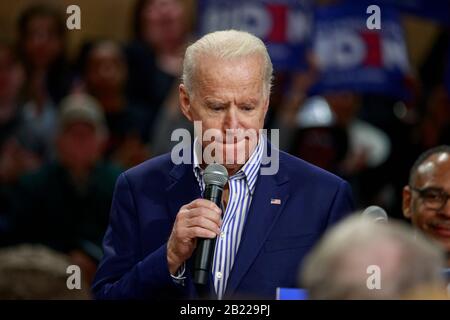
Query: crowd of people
{"points": [[69, 128]]}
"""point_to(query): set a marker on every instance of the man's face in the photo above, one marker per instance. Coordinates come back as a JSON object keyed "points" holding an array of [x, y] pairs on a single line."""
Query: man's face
{"points": [[42, 43], [228, 96], [163, 22], [433, 175], [106, 71], [79, 146]]}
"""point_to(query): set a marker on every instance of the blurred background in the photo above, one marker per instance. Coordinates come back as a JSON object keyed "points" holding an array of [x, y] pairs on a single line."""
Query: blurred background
{"points": [[78, 107]]}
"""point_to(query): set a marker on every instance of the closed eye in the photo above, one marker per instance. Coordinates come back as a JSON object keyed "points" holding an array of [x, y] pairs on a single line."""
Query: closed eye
{"points": [[215, 106], [247, 107]]}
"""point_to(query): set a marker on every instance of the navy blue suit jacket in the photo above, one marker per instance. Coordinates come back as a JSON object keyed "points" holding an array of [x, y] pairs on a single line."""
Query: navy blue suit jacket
{"points": [[275, 237]]}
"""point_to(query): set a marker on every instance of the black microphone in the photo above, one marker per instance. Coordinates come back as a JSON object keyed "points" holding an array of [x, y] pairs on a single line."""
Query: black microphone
{"points": [[375, 213], [215, 178]]}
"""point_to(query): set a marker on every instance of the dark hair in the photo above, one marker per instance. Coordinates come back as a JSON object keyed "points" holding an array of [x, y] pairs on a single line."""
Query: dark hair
{"points": [[10, 49], [86, 49], [40, 10], [59, 77], [137, 18], [136, 23], [423, 157]]}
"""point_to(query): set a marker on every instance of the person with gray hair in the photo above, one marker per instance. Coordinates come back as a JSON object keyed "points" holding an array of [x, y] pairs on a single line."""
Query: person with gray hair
{"points": [[35, 272], [363, 259], [266, 220], [226, 45]]}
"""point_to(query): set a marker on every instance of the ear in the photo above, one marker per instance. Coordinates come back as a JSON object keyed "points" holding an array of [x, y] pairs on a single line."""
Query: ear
{"points": [[185, 103], [406, 202]]}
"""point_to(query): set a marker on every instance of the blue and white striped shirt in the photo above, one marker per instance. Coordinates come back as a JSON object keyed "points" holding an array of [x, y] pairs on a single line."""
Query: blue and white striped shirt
{"points": [[241, 189]]}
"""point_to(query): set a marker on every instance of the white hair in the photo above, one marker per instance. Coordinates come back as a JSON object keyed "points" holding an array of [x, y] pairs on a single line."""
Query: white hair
{"points": [[226, 44], [36, 272], [337, 267]]}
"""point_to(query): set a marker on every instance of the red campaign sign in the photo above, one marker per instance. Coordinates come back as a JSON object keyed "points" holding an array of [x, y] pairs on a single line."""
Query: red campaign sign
{"points": [[279, 19], [374, 54]]}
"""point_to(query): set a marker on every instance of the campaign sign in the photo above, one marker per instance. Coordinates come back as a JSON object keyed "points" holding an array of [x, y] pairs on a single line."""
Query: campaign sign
{"points": [[284, 25], [352, 56], [436, 10]]}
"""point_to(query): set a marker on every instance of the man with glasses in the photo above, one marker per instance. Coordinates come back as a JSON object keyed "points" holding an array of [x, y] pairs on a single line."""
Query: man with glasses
{"points": [[425, 199]]}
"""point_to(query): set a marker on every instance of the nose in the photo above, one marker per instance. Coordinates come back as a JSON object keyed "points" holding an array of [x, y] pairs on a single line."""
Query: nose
{"points": [[445, 211], [231, 119]]}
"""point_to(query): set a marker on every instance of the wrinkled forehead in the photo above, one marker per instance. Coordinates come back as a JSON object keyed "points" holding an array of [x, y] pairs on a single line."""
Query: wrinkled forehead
{"points": [[434, 172], [213, 69]]}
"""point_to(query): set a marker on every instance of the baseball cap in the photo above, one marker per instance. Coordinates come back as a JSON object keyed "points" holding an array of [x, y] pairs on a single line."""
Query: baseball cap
{"points": [[83, 108]]}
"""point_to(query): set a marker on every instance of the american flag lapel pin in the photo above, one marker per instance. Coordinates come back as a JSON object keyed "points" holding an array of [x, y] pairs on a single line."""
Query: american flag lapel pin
{"points": [[275, 201]]}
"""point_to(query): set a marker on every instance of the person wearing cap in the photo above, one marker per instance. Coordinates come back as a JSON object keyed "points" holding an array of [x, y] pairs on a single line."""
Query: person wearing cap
{"points": [[65, 204]]}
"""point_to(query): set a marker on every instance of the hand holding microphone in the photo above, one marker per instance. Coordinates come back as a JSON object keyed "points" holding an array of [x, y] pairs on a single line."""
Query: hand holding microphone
{"points": [[215, 178], [196, 226]]}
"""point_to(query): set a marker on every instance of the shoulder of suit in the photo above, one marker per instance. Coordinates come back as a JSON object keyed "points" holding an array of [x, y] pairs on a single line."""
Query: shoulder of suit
{"points": [[156, 168]]}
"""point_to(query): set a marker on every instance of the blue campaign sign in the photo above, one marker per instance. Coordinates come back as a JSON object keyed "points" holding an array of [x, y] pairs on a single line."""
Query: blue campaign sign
{"points": [[291, 294], [353, 57], [284, 25], [436, 10]]}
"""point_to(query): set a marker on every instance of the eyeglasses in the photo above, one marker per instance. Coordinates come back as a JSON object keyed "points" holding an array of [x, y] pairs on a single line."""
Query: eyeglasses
{"points": [[433, 198]]}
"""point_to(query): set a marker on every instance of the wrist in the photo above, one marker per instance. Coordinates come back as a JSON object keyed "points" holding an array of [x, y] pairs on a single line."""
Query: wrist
{"points": [[173, 263]]}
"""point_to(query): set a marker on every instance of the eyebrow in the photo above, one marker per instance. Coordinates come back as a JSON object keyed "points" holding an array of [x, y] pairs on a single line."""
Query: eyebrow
{"points": [[246, 104], [433, 188], [211, 103], [250, 101]]}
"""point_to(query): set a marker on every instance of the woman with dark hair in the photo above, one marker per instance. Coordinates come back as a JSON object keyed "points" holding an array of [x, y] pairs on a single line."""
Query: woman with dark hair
{"points": [[41, 46], [104, 74], [161, 29]]}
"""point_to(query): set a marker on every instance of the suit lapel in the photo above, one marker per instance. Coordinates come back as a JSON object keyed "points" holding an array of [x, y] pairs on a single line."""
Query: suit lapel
{"points": [[261, 217], [183, 189], [259, 221]]}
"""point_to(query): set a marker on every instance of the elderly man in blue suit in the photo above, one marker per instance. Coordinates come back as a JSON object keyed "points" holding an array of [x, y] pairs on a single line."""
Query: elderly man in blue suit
{"points": [[267, 222]]}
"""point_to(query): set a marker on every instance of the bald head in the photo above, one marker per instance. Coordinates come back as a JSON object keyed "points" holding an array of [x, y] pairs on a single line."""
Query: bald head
{"points": [[425, 199], [428, 162]]}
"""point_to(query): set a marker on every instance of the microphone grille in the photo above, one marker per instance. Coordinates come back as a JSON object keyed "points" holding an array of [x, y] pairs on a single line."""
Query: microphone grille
{"points": [[215, 174], [376, 213]]}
